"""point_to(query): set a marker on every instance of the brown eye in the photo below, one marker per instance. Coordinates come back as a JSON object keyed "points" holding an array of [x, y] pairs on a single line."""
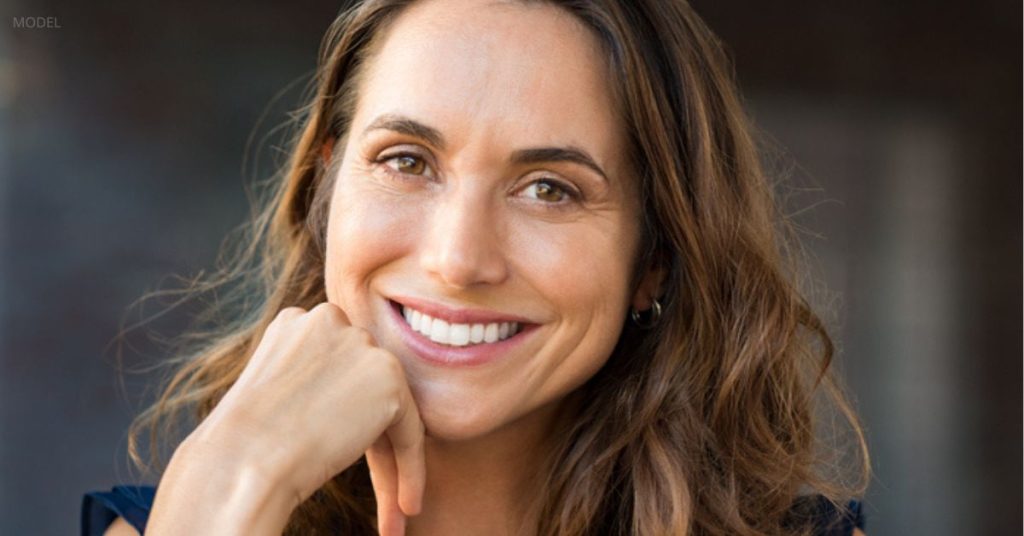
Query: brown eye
{"points": [[408, 164], [548, 191]]}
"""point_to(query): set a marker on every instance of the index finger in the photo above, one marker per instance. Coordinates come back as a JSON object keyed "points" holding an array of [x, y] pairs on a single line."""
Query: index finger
{"points": [[407, 436]]}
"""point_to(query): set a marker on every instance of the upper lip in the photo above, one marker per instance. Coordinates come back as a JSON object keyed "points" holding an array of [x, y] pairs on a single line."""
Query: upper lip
{"points": [[458, 315]]}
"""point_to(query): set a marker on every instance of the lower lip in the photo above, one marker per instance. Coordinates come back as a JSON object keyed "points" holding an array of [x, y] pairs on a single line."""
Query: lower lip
{"points": [[456, 356]]}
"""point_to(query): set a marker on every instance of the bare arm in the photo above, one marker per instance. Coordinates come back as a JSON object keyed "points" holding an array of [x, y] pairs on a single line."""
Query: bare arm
{"points": [[223, 490], [120, 527]]}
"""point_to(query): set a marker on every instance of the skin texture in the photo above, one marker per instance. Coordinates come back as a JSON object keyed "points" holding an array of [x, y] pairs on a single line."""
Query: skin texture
{"points": [[470, 231]]}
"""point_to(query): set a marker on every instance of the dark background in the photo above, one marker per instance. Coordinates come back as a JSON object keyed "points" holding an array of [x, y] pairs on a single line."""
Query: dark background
{"points": [[122, 140]]}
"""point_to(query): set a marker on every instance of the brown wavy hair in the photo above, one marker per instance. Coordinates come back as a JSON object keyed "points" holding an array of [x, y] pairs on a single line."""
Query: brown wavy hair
{"points": [[704, 424]]}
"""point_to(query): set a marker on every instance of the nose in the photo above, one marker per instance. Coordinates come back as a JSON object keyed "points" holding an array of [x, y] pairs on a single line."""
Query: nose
{"points": [[463, 243]]}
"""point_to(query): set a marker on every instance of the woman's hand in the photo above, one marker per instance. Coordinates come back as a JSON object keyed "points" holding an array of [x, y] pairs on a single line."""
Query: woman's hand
{"points": [[316, 394]]}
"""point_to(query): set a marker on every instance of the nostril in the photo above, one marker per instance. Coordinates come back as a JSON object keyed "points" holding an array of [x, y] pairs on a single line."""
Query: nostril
{"points": [[464, 253]]}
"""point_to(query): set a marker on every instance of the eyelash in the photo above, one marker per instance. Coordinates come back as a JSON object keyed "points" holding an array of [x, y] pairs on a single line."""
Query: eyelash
{"points": [[383, 160], [573, 195]]}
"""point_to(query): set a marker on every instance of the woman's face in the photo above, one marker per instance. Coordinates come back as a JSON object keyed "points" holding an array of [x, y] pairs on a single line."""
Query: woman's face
{"points": [[484, 186]]}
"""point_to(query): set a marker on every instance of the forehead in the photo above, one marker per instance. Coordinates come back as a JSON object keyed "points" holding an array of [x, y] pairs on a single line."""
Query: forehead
{"points": [[495, 71]]}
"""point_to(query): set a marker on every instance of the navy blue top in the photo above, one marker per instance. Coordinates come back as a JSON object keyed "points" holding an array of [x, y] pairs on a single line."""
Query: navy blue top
{"points": [[100, 508]]}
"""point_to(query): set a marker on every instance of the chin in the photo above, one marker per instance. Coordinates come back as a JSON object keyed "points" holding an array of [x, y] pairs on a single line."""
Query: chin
{"points": [[441, 428], [449, 417]]}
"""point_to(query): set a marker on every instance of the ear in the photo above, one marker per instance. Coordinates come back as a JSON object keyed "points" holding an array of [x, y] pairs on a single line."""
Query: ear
{"points": [[327, 149], [649, 288]]}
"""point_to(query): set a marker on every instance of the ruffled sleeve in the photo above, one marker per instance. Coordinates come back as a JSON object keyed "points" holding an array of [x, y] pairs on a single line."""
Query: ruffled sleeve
{"points": [[101, 508], [826, 518]]}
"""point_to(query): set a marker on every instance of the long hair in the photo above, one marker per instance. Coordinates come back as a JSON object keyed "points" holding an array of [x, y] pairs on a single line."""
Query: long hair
{"points": [[704, 424]]}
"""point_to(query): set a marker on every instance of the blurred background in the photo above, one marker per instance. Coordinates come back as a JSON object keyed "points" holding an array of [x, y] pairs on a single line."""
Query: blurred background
{"points": [[123, 134]]}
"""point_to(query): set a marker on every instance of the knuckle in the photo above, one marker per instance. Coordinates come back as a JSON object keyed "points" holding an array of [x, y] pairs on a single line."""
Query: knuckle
{"points": [[363, 336], [392, 367], [384, 368], [321, 307], [325, 308], [392, 408], [330, 313], [273, 329], [292, 310], [286, 314]]}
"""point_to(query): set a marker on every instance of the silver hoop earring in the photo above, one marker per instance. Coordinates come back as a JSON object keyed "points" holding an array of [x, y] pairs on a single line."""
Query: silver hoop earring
{"points": [[655, 315]]}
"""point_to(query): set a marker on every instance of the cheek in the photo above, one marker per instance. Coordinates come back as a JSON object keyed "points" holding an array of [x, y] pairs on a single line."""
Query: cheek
{"points": [[582, 272], [582, 268], [364, 234]]}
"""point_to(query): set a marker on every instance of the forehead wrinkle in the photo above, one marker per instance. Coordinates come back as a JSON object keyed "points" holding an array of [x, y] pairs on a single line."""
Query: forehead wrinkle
{"points": [[489, 70]]}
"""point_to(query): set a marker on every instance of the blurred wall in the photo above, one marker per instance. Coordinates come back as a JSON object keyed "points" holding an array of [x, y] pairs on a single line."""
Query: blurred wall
{"points": [[122, 140]]}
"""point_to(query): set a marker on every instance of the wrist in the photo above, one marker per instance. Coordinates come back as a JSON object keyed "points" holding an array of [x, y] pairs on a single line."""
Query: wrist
{"points": [[243, 448], [209, 490]]}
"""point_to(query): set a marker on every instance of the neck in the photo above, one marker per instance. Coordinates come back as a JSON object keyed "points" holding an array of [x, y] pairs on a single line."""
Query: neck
{"points": [[485, 485]]}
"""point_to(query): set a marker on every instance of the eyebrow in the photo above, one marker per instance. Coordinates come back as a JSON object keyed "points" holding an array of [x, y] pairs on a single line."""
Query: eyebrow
{"points": [[411, 127], [558, 154]]}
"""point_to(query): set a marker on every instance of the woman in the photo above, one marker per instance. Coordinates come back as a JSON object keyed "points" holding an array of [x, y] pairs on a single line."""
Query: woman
{"points": [[523, 259]]}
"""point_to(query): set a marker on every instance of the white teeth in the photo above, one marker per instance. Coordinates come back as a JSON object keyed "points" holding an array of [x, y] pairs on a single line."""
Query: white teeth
{"points": [[491, 333], [439, 331], [416, 320], [476, 334], [459, 335], [442, 332]]}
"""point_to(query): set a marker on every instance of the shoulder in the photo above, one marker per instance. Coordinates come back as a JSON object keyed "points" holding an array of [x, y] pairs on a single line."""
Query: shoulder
{"points": [[120, 511], [120, 527]]}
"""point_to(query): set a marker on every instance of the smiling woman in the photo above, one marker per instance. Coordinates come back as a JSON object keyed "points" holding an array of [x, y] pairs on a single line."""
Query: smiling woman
{"points": [[520, 277]]}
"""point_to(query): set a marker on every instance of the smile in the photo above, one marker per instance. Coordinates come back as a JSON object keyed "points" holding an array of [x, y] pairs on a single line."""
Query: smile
{"points": [[442, 335], [457, 334]]}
